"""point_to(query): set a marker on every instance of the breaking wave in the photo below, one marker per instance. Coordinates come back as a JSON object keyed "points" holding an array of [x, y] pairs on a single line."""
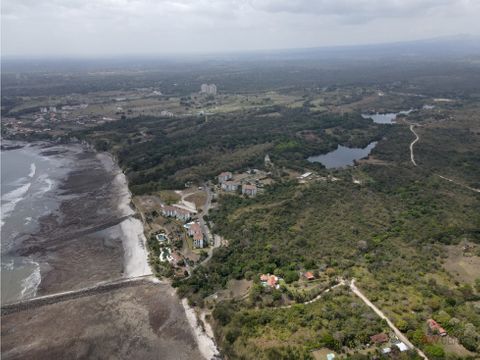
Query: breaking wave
{"points": [[11, 199], [33, 169], [31, 282]]}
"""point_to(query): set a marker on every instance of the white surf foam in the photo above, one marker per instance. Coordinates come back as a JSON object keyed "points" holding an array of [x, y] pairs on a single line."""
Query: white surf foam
{"points": [[11, 199], [33, 169], [31, 282], [8, 265]]}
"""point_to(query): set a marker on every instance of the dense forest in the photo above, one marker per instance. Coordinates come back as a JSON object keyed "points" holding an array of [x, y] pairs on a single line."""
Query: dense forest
{"points": [[162, 153]]}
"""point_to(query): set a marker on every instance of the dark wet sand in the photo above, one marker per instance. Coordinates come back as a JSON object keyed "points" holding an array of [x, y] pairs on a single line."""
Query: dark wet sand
{"points": [[139, 322], [81, 244]]}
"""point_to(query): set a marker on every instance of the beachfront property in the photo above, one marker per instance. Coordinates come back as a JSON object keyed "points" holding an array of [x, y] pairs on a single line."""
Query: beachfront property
{"points": [[249, 190], [195, 231], [176, 212], [161, 238], [230, 186], [224, 176]]}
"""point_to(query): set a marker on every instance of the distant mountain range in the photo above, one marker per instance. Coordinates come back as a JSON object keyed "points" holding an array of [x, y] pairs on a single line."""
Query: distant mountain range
{"points": [[448, 46], [440, 48]]}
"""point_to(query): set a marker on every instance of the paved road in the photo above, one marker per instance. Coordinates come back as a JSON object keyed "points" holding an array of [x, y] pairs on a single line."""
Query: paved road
{"points": [[413, 143], [397, 332]]}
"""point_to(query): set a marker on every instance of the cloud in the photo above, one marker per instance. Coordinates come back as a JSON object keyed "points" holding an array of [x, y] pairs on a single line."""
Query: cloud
{"points": [[159, 26], [364, 10]]}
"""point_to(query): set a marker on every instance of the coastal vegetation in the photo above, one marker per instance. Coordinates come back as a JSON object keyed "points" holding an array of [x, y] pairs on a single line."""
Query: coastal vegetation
{"points": [[400, 230]]}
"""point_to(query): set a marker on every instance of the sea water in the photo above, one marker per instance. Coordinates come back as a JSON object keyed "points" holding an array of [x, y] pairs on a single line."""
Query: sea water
{"points": [[28, 183]]}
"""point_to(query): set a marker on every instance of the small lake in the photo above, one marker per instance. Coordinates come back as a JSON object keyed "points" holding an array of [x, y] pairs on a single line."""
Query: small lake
{"points": [[386, 118], [343, 156]]}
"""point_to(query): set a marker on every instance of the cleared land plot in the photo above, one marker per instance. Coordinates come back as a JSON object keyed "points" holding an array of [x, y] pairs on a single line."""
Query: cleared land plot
{"points": [[465, 268]]}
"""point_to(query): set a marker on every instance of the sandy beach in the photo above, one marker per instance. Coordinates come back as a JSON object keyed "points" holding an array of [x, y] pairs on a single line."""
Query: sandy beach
{"points": [[94, 237], [203, 337], [146, 321]]}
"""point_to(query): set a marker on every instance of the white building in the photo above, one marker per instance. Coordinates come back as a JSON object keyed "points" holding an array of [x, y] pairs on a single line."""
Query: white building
{"points": [[230, 185], [224, 176], [210, 89]]}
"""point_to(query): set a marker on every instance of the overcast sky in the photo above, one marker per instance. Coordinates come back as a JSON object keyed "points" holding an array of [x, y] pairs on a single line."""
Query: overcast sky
{"points": [[106, 27]]}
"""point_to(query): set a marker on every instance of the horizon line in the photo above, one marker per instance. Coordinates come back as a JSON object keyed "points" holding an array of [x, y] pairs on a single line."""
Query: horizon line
{"points": [[171, 55]]}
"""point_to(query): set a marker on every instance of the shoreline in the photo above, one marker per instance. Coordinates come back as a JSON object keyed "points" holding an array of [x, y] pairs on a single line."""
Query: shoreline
{"points": [[134, 241], [93, 234], [26, 198], [203, 337]]}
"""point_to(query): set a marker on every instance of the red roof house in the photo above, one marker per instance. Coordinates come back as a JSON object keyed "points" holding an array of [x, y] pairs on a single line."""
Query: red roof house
{"points": [[436, 328], [309, 275], [379, 338], [272, 281]]}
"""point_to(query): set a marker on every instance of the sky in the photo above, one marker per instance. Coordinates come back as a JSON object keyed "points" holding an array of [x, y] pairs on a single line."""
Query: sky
{"points": [[41, 28]]}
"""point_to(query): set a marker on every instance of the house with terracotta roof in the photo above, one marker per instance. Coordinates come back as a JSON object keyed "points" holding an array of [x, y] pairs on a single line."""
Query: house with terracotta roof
{"points": [[379, 338], [195, 231], [272, 281], [264, 278], [435, 328], [175, 258], [269, 280], [249, 190], [224, 176], [309, 275]]}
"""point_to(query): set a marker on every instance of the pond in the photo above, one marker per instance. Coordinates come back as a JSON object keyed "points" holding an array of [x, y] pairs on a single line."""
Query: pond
{"points": [[386, 118], [343, 156]]}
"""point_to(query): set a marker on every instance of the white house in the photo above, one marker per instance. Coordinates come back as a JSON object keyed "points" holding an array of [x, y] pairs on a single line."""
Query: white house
{"points": [[230, 186], [249, 190], [224, 176]]}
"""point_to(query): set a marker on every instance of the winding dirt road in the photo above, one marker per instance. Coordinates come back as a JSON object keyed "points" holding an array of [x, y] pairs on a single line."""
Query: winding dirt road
{"points": [[459, 184], [412, 158], [413, 143]]}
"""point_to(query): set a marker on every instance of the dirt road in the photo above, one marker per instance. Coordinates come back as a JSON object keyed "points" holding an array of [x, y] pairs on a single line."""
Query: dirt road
{"points": [[413, 143], [460, 184], [397, 332]]}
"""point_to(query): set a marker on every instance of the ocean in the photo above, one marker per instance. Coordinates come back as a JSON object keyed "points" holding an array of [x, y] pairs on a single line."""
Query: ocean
{"points": [[28, 183], [66, 221]]}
